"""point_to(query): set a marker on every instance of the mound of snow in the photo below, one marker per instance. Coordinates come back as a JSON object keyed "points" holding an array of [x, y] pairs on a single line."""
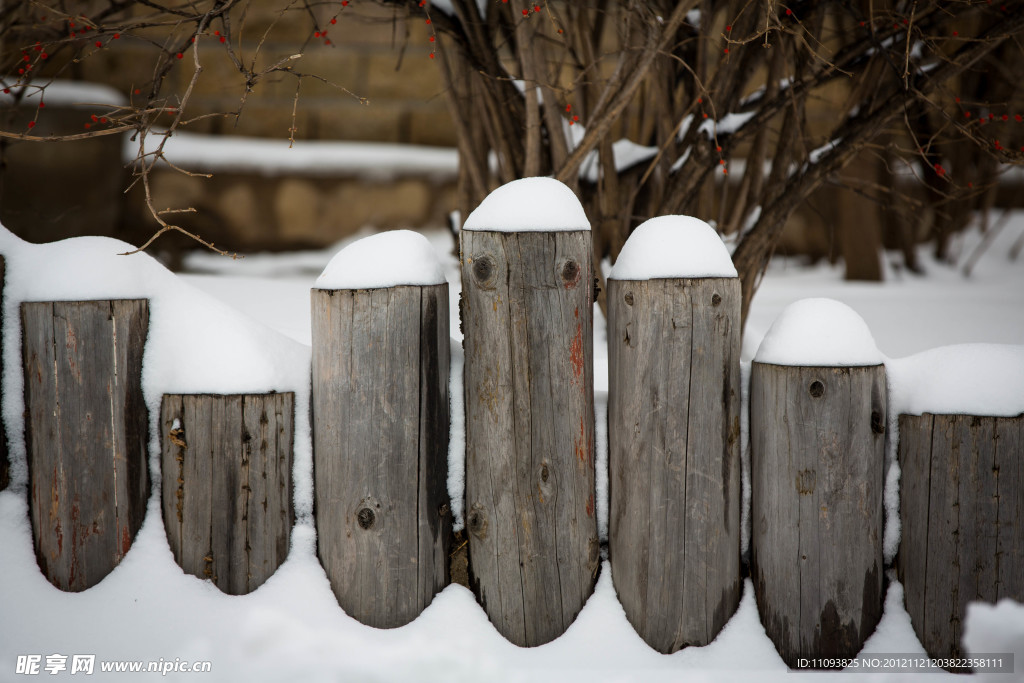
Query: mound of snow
{"points": [[673, 247], [973, 379], [819, 332], [529, 204], [387, 259]]}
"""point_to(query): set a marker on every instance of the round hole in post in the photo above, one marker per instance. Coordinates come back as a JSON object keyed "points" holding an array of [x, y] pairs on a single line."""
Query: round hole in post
{"points": [[628, 298], [816, 389], [544, 473], [483, 270], [716, 299], [570, 273], [365, 518], [877, 422]]}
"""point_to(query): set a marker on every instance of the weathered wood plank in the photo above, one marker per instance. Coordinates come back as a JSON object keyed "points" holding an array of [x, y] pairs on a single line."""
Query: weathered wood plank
{"points": [[380, 444], [674, 456], [86, 433], [961, 509], [226, 464], [817, 456], [528, 320]]}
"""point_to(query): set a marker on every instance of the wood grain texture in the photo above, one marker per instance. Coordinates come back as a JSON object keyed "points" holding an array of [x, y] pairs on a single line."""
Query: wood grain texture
{"points": [[226, 464], [527, 314], [4, 462], [674, 461], [86, 429], [962, 514], [817, 468], [380, 448]]}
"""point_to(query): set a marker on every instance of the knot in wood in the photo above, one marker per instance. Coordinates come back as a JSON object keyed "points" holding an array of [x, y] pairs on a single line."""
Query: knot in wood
{"points": [[877, 423], [443, 509], [483, 269], [544, 473], [716, 299], [817, 389], [477, 521], [365, 518], [570, 273], [628, 298]]}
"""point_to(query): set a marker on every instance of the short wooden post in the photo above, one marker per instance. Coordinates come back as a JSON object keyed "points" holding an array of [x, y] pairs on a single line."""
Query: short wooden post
{"points": [[674, 460], [528, 319], [86, 430], [817, 469], [962, 520], [380, 447], [226, 464]]}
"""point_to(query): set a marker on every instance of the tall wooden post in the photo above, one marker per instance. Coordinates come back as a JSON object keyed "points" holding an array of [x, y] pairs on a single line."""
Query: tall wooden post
{"points": [[226, 463], [528, 318], [962, 520], [380, 447], [673, 458], [86, 430], [817, 438]]}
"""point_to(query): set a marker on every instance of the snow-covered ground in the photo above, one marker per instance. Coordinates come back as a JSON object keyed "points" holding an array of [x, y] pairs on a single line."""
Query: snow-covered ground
{"points": [[291, 628]]}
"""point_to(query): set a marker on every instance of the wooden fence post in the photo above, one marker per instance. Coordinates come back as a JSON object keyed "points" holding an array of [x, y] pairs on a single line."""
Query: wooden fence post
{"points": [[86, 431], [817, 439], [962, 520], [4, 463], [380, 447], [527, 314], [674, 460], [226, 464]]}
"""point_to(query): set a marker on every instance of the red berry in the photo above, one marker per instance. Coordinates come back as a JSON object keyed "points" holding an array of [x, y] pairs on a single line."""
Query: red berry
{"points": [[526, 12], [788, 12], [327, 42], [862, 24], [725, 171], [216, 33], [722, 162], [431, 38], [71, 24], [718, 148], [1005, 117], [316, 34], [1017, 118], [99, 44], [103, 119], [44, 56], [88, 126], [116, 36], [180, 56], [726, 50], [958, 100], [728, 28], [536, 8], [31, 124], [575, 118], [7, 91], [956, 33], [222, 39], [333, 20], [700, 100], [42, 105], [431, 55], [24, 57], [705, 115], [137, 91], [428, 20], [967, 114]]}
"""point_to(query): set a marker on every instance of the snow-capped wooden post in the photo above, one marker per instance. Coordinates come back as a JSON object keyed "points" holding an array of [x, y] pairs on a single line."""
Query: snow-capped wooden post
{"points": [[226, 464], [962, 486], [674, 432], [817, 431], [380, 426], [86, 429], [527, 315]]}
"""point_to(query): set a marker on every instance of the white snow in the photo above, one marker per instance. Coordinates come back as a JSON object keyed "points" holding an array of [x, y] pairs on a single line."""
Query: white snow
{"points": [[730, 123], [819, 332], [673, 247], [387, 259], [270, 157], [529, 204], [973, 379], [999, 628], [61, 93]]}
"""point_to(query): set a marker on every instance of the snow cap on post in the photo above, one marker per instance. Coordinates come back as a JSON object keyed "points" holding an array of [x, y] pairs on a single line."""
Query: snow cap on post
{"points": [[673, 247], [387, 259], [529, 204], [819, 332]]}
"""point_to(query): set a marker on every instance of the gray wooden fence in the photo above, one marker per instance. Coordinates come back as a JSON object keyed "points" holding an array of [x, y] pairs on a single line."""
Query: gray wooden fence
{"points": [[962, 516], [86, 428], [380, 447], [226, 464], [527, 315], [817, 461], [380, 427], [674, 455]]}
